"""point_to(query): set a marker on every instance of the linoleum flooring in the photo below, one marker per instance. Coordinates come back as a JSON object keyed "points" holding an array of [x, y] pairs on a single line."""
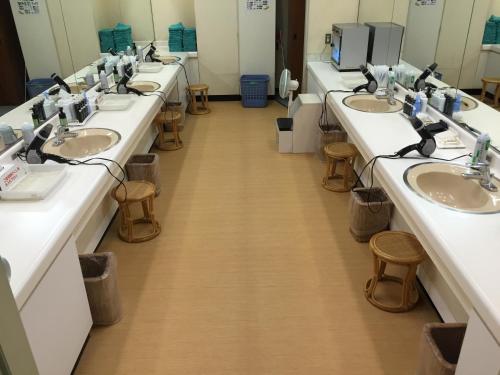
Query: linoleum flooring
{"points": [[255, 271]]}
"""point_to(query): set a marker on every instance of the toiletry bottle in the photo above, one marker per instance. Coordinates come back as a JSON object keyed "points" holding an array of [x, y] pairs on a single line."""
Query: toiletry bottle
{"points": [[423, 100], [36, 120], [116, 76], [391, 80], [7, 133], [89, 79], [28, 131], [448, 104], [49, 107], [417, 107], [63, 121], [108, 67], [129, 51], [457, 105], [104, 80], [481, 148]]}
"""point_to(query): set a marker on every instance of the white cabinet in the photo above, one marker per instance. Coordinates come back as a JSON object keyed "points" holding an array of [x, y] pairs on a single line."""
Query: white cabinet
{"points": [[57, 317], [480, 352]]}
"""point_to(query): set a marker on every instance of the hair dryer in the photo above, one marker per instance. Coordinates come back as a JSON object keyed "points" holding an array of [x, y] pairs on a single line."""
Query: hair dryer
{"points": [[420, 82], [122, 88], [428, 144], [372, 84], [34, 153], [60, 82], [149, 56]]}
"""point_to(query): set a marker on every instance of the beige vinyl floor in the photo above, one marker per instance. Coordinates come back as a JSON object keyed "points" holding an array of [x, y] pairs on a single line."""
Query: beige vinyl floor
{"points": [[255, 271]]}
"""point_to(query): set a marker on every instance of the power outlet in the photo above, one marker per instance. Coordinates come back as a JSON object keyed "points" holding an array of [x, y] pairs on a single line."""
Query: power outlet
{"points": [[328, 39]]}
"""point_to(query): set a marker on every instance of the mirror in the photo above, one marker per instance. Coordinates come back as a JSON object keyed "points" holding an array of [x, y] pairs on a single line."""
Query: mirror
{"points": [[35, 43], [453, 38], [94, 27]]}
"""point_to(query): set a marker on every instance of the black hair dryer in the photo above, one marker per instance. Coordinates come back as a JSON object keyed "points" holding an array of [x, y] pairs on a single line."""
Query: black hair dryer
{"points": [[427, 145], [372, 84]]}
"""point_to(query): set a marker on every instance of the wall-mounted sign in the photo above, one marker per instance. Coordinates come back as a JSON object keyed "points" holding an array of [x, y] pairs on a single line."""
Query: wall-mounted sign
{"points": [[258, 4], [425, 2], [28, 6]]}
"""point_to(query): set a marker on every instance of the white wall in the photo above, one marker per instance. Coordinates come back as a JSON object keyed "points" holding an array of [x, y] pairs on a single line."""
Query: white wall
{"points": [[137, 13], [257, 41], [320, 15], [106, 13], [217, 30], [168, 12], [37, 41], [81, 32], [495, 8], [375, 11]]}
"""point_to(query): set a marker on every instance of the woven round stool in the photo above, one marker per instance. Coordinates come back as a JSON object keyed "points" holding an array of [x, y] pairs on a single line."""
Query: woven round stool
{"points": [[171, 120], [195, 107], [142, 192], [337, 152], [494, 81], [397, 248]]}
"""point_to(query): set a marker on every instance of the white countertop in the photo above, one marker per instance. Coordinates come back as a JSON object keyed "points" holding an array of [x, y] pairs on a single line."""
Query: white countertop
{"points": [[34, 232], [468, 245]]}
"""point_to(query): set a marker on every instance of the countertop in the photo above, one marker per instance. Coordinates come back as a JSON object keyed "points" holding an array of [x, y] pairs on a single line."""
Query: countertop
{"points": [[467, 245], [35, 232]]}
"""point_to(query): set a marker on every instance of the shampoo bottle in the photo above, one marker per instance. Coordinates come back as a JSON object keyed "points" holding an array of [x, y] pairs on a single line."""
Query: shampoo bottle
{"points": [[104, 80], [417, 107], [391, 80], [89, 79], [63, 121], [457, 105]]}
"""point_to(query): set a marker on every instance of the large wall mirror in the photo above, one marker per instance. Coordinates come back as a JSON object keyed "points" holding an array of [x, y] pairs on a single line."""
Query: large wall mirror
{"points": [[449, 33], [33, 47]]}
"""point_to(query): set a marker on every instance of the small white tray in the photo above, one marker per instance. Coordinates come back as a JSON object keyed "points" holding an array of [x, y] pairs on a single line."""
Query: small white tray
{"points": [[37, 184], [150, 67], [115, 103]]}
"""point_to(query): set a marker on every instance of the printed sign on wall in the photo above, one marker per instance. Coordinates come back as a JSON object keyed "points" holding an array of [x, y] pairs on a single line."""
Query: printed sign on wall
{"points": [[258, 4], [425, 2], [28, 6]]}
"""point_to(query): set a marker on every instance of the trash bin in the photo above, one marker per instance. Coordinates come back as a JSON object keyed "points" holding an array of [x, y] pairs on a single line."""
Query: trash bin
{"points": [[440, 348], [370, 212], [99, 275], [39, 85], [284, 135], [144, 167]]}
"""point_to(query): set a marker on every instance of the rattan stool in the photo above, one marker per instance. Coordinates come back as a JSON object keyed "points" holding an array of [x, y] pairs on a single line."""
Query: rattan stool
{"points": [[398, 248], [171, 118], [495, 81], [336, 152], [136, 192], [195, 107]]}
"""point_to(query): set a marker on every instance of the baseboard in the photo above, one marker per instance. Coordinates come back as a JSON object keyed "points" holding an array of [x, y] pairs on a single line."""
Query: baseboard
{"points": [[230, 98]]}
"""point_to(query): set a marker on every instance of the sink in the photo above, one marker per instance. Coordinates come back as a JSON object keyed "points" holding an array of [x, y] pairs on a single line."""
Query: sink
{"points": [[88, 142], [144, 86], [443, 184], [468, 104], [77, 88], [370, 103]]}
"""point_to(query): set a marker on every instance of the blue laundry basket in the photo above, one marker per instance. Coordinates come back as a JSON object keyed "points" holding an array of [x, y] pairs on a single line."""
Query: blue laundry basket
{"points": [[38, 85], [254, 90]]}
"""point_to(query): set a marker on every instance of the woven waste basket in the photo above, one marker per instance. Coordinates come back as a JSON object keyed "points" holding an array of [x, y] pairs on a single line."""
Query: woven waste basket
{"points": [[370, 212], [144, 167], [99, 276], [440, 348]]}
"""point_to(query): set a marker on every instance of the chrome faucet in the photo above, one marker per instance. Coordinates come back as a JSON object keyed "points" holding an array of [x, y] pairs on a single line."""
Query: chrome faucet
{"points": [[61, 134], [481, 171]]}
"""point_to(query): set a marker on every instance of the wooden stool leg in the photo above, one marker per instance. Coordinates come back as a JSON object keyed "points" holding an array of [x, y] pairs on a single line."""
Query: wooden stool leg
{"points": [[372, 283], [193, 106], [347, 173], [408, 288], [483, 91], [204, 98]]}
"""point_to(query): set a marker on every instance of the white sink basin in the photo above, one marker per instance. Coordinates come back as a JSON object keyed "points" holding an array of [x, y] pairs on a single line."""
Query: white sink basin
{"points": [[443, 184], [88, 142], [370, 103], [144, 86]]}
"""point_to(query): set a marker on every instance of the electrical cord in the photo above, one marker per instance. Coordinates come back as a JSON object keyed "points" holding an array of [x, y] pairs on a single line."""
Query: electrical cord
{"points": [[395, 156], [323, 119]]}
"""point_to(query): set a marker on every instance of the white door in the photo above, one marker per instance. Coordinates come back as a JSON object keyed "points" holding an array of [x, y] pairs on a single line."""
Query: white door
{"points": [[15, 352]]}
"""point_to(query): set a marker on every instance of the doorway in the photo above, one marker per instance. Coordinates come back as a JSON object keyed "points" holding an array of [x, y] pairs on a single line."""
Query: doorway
{"points": [[290, 31], [12, 78]]}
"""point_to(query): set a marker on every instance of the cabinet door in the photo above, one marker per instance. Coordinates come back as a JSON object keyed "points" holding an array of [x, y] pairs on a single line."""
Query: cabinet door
{"points": [[57, 317]]}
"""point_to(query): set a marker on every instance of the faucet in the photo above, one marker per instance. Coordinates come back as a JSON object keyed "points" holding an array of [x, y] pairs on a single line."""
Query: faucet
{"points": [[481, 171], [61, 134]]}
